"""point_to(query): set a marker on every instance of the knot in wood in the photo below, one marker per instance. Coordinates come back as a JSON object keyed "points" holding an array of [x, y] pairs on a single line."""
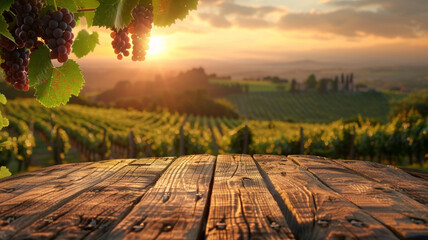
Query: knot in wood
{"points": [[166, 228], [417, 221], [275, 225], [138, 228], [7, 221], [48, 220], [220, 226], [9, 190], [199, 196], [356, 222], [323, 222], [91, 225], [166, 197]]}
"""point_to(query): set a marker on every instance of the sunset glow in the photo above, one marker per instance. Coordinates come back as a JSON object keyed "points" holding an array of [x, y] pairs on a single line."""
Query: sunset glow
{"points": [[157, 46], [286, 30]]}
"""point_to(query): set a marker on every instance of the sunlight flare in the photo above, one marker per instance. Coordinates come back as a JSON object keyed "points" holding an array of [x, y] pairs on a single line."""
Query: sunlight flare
{"points": [[157, 45]]}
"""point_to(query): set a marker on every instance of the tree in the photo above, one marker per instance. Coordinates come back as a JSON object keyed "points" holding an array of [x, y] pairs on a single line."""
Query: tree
{"points": [[311, 82], [294, 87], [323, 84], [336, 84]]}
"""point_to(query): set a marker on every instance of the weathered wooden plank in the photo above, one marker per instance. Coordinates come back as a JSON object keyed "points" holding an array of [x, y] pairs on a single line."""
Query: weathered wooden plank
{"points": [[241, 204], [18, 184], [102, 206], [403, 215], [175, 207], [399, 180], [415, 172], [313, 210], [19, 212]]}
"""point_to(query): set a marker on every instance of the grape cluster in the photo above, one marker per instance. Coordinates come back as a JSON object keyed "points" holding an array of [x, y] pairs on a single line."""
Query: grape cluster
{"points": [[120, 42], [140, 29], [15, 67], [6, 44], [27, 21], [57, 29]]}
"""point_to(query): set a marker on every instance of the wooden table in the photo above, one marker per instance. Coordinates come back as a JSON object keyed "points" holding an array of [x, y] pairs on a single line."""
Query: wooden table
{"points": [[224, 197]]}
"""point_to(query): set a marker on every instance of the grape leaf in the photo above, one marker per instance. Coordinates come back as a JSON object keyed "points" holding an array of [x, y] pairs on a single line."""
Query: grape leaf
{"points": [[69, 4], [85, 43], [40, 67], [5, 5], [54, 86], [88, 4], [65, 81], [4, 29], [4, 172], [114, 13], [166, 12]]}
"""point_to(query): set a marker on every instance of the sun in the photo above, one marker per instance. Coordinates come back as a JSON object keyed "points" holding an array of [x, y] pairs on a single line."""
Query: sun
{"points": [[156, 45]]}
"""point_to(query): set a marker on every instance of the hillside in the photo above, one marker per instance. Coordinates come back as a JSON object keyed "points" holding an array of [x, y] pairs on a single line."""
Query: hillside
{"points": [[312, 106]]}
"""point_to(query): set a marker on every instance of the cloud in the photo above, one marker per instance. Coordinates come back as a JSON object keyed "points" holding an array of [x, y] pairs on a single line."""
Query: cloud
{"points": [[385, 18], [226, 13], [349, 18], [215, 20]]}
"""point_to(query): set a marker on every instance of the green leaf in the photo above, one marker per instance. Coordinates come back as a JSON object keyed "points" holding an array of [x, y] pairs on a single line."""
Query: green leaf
{"points": [[54, 86], [114, 13], [4, 172], [65, 81], [40, 68], [4, 29], [88, 4], [2, 99], [69, 4], [5, 5], [166, 12], [85, 43]]}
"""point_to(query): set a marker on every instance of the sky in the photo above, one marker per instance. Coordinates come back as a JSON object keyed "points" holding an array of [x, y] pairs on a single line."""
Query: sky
{"points": [[346, 31]]}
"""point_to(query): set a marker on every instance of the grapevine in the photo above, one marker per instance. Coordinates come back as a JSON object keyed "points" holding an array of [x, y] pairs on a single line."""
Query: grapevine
{"points": [[36, 33]]}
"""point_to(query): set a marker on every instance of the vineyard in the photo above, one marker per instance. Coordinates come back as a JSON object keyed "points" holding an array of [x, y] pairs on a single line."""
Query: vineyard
{"points": [[312, 107], [99, 133]]}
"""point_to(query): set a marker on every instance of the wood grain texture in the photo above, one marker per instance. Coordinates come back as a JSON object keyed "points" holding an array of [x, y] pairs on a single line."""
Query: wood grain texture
{"points": [[19, 212], [175, 207], [399, 180], [102, 206], [313, 210], [414, 172], [16, 185], [404, 216], [241, 204]]}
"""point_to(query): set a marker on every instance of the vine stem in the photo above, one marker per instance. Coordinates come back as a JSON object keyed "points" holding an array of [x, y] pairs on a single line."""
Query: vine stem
{"points": [[86, 10], [56, 8]]}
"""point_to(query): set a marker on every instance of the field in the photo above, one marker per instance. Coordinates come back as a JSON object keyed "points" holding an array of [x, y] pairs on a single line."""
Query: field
{"points": [[100, 133], [254, 85], [266, 101], [311, 107]]}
